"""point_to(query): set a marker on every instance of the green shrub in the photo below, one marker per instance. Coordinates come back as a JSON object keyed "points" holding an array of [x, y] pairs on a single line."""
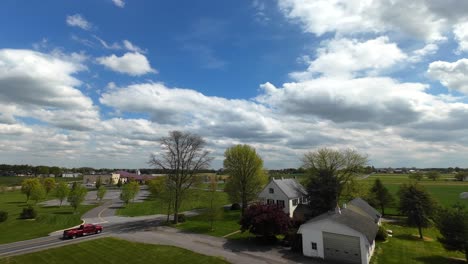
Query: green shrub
{"points": [[381, 234], [28, 213], [3, 216], [181, 218]]}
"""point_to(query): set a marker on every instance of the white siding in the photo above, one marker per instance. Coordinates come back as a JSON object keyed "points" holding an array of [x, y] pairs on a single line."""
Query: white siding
{"points": [[276, 195], [312, 232]]}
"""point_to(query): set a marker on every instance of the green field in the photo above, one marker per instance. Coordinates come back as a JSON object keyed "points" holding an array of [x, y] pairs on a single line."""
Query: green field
{"points": [[405, 247], [195, 199], [111, 250], [16, 181], [445, 191], [49, 219]]}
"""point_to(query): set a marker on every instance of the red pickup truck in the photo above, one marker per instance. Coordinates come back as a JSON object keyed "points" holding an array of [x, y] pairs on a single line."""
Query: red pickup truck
{"points": [[83, 230]]}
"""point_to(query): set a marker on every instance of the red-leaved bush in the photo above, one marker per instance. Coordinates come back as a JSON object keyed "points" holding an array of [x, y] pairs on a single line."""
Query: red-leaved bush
{"points": [[265, 220]]}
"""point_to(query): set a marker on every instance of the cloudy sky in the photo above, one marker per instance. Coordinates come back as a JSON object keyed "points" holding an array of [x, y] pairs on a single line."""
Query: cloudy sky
{"points": [[98, 82]]}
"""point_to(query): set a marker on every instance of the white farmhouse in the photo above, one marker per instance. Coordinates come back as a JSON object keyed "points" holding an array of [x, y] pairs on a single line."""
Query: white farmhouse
{"points": [[286, 193], [345, 236]]}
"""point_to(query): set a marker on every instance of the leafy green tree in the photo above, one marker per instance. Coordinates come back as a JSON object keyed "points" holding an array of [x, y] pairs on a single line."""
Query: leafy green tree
{"points": [[119, 183], [49, 184], [42, 170], [329, 172], [416, 176], [453, 226], [159, 189], [27, 185], [56, 171], [247, 178], [38, 192], [417, 205], [129, 191], [98, 183], [183, 156], [61, 192], [433, 175], [380, 196], [77, 196], [101, 192], [461, 175]]}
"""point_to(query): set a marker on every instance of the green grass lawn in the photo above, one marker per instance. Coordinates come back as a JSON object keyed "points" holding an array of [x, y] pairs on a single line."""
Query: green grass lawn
{"points": [[49, 219], [445, 191], [195, 199], [226, 222], [405, 247], [111, 250], [16, 181]]}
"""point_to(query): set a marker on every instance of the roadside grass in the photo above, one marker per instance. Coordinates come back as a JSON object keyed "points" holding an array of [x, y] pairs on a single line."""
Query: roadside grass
{"points": [[406, 247], [50, 218], [195, 199], [112, 250], [16, 180]]}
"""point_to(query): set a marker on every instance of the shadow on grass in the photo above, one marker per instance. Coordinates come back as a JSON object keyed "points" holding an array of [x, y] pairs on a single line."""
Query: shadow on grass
{"points": [[16, 202], [440, 259], [63, 213]]}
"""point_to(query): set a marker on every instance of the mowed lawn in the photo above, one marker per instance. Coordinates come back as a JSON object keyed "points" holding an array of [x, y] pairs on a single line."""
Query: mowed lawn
{"points": [[49, 218], [445, 191], [111, 250], [405, 247], [194, 199]]}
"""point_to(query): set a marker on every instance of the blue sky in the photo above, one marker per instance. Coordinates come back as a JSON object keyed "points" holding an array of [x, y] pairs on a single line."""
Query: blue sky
{"points": [[97, 83]]}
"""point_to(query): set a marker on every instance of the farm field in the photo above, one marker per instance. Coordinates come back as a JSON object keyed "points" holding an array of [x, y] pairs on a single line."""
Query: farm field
{"points": [[445, 191], [196, 199], [406, 247], [111, 250], [16, 181], [50, 218]]}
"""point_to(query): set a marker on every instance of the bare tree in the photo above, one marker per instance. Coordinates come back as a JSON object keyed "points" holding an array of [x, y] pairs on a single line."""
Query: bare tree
{"points": [[182, 157]]}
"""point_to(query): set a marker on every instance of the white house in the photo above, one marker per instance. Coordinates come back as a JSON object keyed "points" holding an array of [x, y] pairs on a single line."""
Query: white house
{"points": [[71, 174], [345, 236], [287, 193]]}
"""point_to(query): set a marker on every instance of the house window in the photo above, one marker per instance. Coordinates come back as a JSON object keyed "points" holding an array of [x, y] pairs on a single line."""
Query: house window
{"points": [[280, 203], [271, 190], [314, 246], [270, 201], [295, 202]]}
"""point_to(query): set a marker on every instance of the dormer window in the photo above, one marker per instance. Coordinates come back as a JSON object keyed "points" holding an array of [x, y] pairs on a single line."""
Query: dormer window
{"points": [[271, 190]]}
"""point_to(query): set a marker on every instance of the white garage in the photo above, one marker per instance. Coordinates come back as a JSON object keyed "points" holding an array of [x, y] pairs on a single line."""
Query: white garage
{"points": [[344, 236]]}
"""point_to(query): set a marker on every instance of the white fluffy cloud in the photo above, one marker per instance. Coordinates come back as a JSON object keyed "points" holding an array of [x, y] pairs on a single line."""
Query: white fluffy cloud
{"points": [[77, 20], [461, 35], [452, 75], [346, 57], [132, 63], [42, 86]]}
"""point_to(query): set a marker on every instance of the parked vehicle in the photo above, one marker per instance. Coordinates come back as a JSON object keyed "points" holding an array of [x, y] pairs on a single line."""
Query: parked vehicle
{"points": [[83, 230]]}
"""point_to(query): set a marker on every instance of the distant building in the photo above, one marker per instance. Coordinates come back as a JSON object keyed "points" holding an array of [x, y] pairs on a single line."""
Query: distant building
{"points": [[111, 178], [286, 193], [71, 174], [138, 177]]}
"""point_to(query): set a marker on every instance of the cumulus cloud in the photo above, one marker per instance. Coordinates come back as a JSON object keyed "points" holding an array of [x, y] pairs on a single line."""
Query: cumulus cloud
{"points": [[77, 20], [39, 85], [460, 32], [453, 75], [132, 63], [345, 57]]}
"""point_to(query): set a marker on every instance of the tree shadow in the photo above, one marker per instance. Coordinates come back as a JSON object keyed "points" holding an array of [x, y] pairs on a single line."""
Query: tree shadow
{"points": [[440, 259], [16, 202], [63, 213]]}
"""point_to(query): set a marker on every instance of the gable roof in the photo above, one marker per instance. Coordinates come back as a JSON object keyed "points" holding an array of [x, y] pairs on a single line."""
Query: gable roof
{"points": [[290, 187], [362, 207]]}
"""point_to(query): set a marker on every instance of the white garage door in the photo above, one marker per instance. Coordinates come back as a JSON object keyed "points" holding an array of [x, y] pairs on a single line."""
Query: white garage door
{"points": [[341, 248]]}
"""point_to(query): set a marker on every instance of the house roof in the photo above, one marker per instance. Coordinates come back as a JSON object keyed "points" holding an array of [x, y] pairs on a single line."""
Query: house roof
{"points": [[291, 187], [352, 219], [364, 208], [126, 174]]}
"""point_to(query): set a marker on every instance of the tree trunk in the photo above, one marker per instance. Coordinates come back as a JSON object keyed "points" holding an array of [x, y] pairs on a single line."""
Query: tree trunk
{"points": [[176, 209], [383, 209], [168, 211], [420, 232], [244, 205]]}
